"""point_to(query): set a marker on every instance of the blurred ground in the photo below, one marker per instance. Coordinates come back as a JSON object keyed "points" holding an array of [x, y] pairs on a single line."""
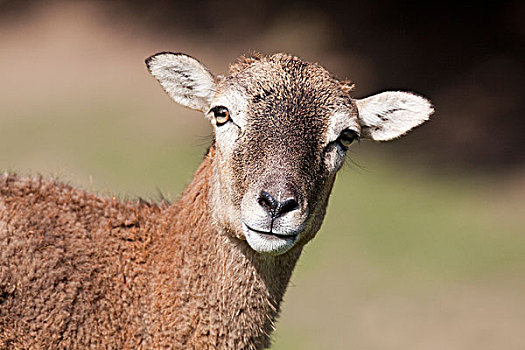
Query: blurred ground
{"points": [[424, 243]]}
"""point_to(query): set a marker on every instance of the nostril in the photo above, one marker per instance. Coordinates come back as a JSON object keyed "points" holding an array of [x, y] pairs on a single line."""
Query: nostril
{"points": [[287, 206], [267, 202]]}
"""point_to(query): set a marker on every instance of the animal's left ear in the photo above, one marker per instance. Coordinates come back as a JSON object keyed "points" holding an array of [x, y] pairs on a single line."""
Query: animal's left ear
{"points": [[391, 114]]}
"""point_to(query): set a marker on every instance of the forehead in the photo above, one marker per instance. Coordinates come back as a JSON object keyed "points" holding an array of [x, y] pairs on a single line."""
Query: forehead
{"points": [[288, 81]]}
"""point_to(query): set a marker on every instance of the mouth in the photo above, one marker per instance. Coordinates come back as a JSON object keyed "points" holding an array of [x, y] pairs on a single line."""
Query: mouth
{"points": [[271, 234], [268, 241]]}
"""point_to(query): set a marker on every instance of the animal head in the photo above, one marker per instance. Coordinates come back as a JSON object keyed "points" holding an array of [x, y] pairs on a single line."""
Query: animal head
{"points": [[282, 130]]}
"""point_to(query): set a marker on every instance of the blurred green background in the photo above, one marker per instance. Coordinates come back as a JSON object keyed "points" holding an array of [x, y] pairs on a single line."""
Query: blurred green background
{"points": [[423, 246]]}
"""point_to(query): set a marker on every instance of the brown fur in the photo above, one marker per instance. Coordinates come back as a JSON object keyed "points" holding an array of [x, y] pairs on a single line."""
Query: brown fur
{"points": [[79, 271]]}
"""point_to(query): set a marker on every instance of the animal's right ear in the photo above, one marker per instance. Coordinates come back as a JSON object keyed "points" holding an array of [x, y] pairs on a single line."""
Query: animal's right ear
{"points": [[185, 79]]}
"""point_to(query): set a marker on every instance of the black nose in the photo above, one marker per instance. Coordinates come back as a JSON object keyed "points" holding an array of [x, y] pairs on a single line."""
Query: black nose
{"points": [[277, 208]]}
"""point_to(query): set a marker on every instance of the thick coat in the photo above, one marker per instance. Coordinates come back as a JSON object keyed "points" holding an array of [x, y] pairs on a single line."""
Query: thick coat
{"points": [[78, 271]]}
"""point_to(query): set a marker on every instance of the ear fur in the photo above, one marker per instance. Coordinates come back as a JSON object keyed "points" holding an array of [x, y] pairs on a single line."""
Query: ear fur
{"points": [[185, 79], [391, 114]]}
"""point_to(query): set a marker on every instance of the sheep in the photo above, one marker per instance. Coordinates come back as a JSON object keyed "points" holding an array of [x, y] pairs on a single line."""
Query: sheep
{"points": [[81, 271]]}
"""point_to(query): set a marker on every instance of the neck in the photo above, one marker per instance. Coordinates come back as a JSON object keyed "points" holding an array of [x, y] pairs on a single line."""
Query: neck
{"points": [[210, 288]]}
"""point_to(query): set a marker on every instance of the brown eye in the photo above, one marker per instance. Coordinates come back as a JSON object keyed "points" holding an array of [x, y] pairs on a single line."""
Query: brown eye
{"points": [[347, 137], [221, 115]]}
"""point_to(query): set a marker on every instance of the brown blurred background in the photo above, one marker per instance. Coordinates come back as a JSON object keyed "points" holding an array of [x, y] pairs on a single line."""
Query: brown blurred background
{"points": [[424, 243]]}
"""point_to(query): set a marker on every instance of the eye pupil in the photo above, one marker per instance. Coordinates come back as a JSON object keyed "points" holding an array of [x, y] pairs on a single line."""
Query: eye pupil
{"points": [[221, 115], [347, 137]]}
